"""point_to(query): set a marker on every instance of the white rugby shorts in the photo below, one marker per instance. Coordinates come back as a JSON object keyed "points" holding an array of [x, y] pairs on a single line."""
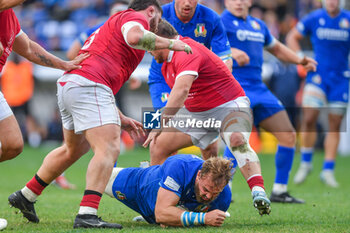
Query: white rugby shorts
{"points": [[203, 137], [5, 110], [85, 104]]}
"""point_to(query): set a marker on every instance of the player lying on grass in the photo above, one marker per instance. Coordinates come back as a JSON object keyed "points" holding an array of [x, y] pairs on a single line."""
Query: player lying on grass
{"points": [[205, 86], [184, 191]]}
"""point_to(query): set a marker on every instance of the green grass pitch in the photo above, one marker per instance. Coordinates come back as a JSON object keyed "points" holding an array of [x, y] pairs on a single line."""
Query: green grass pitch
{"points": [[326, 210]]}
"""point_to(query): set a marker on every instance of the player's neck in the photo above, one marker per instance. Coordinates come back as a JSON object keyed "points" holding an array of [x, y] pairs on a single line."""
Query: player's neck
{"points": [[334, 13]]}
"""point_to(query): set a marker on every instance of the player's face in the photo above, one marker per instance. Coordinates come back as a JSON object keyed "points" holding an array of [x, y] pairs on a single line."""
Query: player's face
{"points": [[159, 55], [239, 8], [153, 23], [185, 9], [332, 6], [205, 189]]}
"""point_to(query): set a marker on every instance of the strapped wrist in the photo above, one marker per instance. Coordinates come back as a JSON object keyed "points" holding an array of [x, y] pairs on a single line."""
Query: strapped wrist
{"points": [[192, 218], [171, 44]]}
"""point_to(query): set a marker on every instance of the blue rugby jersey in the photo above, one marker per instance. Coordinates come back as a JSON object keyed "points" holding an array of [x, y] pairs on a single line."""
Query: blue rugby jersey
{"points": [[137, 188], [250, 35], [205, 27], [330, 38]]}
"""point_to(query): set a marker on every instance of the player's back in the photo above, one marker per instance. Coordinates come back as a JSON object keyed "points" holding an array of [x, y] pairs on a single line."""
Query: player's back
{"points": [[330, 37], [111, 60], [9, 29], [214, 84]]}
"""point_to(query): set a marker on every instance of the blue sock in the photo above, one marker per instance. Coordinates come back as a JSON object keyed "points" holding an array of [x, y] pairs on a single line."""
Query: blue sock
{"points": [[283, 160], [328, 165], [306, 154], [228, 155], [115, 165]]}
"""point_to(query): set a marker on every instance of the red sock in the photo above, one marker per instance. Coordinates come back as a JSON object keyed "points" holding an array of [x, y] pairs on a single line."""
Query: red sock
{"points": [[36, 185], [256, 180], [91, 199]]}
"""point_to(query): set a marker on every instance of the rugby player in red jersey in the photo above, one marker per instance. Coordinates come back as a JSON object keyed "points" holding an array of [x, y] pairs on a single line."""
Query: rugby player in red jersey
{"points": [[215, 104], [89, 114]]}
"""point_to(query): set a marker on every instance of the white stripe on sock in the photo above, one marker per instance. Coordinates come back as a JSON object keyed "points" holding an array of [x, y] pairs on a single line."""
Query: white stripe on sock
{"points": [[87, 210], [29, 194]]}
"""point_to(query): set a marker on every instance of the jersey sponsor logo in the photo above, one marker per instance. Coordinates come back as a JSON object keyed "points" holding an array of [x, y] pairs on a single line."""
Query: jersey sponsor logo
{"points": [[171, 183], [151, 119], [332, 34], [243, 35], [255, 25], [344, 23], [121, 196], [200, 30]]}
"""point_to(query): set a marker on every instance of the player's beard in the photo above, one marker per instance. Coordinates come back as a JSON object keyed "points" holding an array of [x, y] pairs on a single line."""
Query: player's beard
{"points": [[153, 25], [198, 196]]}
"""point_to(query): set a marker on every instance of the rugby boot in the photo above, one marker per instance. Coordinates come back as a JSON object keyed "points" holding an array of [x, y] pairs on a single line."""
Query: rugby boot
{"points": [[18, 201], [92, 221], [285, 198], [261, 202]]}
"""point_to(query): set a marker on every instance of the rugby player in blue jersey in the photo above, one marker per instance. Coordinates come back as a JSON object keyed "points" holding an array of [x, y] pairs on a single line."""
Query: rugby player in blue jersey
{"points": [[183, 191], [248, 37], [329, 31], [204, 26]]}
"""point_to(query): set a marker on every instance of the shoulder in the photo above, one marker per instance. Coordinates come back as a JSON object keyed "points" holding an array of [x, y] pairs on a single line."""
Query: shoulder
{"points": [[315, 14], [206, 11]]}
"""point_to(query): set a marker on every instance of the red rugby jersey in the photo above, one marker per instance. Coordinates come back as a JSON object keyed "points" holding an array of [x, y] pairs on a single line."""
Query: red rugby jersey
{"points": [[214, 84], [111, 60]]}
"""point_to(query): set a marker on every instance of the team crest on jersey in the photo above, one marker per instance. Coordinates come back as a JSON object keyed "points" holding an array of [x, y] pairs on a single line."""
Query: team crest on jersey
{"points": [[344, 23], [121, 196], [202, 208], [164, 97], [200, 30], [255, 25]]}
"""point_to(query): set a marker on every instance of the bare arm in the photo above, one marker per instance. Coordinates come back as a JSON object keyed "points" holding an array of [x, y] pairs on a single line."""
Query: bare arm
{"points": [[178, 95], [240, 57], [176, 100], [285, 54], [6, 4], [37, 54], [292, 40], [229, 64], [139, 38], [168, 214], [73, 50]]}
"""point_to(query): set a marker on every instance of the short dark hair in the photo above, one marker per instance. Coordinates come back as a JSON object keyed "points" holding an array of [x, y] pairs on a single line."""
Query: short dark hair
{"points": [[139, 5], [125, 2], [165, 29]]}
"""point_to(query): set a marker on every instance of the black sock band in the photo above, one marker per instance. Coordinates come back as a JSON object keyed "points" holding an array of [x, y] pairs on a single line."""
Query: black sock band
{"points": [[40, 181], [92, 192]]}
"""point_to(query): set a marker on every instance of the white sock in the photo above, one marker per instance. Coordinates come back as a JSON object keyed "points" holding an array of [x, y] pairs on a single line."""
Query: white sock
{"points": [[29, 194], [257, 188], [87, 210], [279, 188]]}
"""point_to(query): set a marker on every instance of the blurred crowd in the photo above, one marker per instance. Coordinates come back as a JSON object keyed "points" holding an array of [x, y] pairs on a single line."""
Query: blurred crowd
{"points": [[55, 24]]}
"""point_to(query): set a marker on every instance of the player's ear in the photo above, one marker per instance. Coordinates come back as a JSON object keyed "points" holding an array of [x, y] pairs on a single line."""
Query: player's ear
{"points": [[151, 11]]}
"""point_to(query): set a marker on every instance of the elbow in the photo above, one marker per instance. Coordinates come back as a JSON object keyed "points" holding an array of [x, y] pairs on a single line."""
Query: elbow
{"points": [[134, 40], [159, 216]]}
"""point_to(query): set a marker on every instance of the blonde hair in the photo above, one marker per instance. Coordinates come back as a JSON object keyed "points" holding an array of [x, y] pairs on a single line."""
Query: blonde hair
{"points": [[219, 168]]}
